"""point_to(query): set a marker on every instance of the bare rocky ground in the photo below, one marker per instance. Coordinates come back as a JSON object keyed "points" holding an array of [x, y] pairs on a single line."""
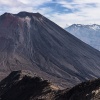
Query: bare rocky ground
{"points": [[23, 85]]}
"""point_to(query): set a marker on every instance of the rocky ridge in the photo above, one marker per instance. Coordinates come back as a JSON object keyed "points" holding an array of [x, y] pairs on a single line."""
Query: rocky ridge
{"points": [[23, 85]]}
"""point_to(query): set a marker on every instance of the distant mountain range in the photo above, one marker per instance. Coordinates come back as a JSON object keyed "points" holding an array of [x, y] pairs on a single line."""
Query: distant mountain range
{"points": [[89, 34]]}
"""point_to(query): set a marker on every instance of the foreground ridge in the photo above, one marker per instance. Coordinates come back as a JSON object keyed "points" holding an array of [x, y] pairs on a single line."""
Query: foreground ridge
{"points": [[30, 41], [23, 85]]}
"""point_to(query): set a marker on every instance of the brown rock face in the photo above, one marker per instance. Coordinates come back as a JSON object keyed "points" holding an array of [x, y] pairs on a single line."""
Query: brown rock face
{"points": [[29, 41]]}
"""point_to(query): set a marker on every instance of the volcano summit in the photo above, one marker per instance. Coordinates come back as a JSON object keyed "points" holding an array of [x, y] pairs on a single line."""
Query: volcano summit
{"points": [[30, 41]]}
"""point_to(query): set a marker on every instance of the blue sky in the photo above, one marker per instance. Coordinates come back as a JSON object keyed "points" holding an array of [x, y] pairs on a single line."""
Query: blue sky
{"points": [[62, 12]]}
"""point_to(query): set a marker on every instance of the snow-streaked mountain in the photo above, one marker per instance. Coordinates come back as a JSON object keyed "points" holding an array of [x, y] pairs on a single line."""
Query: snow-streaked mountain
{"points": [[89, 34]]}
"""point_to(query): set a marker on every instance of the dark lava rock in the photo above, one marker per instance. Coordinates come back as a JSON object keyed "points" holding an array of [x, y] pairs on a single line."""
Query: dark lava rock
{"points": [[23, 85], [89, 90], [20, 85]]}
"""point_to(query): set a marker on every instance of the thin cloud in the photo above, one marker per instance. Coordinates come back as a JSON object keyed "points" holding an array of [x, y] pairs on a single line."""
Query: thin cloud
{"points": [[71, 11], [81, 12]]}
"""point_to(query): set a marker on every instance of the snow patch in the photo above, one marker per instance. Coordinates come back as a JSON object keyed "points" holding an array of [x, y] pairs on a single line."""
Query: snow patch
{"points": [[94, 27]]}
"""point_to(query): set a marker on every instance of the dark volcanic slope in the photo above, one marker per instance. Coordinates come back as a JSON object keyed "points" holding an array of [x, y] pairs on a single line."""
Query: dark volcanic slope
{"points": [[31, 41]]}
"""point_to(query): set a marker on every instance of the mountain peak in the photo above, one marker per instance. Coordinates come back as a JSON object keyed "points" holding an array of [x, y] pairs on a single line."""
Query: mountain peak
{"points": [[7, 14], [76, 25], [84, 25], [92, 26], [24, 14]]}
